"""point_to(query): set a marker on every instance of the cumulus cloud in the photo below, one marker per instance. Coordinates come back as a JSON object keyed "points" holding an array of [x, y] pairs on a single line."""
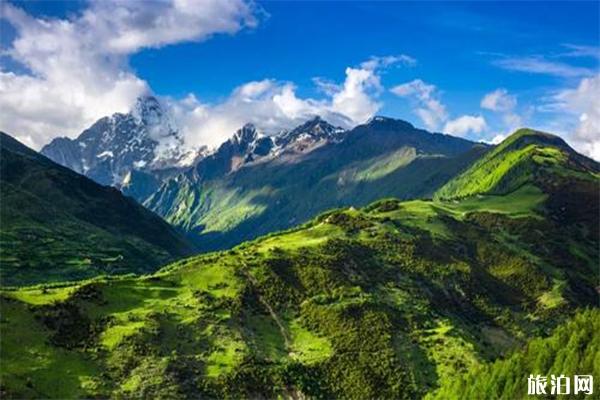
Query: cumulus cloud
{"points": [[354, 100], [502, 102], [499, 100], [77, 68], [432, 111], [77, 72], [465, 124], [582, 106], [268, 104], [429, 108], [272, 106]]}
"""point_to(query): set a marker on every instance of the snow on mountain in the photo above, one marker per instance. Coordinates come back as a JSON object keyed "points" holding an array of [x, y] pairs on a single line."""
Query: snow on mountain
{"points": [[137, 151], [249, 146], [144, 139], [308, 136]]}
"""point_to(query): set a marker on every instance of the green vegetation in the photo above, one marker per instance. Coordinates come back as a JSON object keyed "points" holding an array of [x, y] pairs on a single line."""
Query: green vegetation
{"points": [[425, 298], [525, 157], [58, 225], [396, 300], [573, 349], [385, 159]]}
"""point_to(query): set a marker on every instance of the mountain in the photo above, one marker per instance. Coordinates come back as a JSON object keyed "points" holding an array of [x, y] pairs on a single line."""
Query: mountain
{"points": [[144, 140], [248, 147], [308, 135], [527, 156], [59, 225], [404, 300], [252, 185]]}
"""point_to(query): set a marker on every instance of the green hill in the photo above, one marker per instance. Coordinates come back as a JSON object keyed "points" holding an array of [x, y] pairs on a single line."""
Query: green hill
{"points": [[527, 156], [391, 301], [57, 225], [219, 207]]}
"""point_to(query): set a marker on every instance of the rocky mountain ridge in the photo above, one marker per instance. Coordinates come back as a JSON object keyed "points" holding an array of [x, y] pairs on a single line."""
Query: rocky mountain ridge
{"points": [[146, 139]]}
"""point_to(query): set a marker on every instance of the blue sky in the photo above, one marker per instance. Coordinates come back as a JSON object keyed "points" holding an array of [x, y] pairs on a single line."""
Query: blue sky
{"points": [[536, 61]]}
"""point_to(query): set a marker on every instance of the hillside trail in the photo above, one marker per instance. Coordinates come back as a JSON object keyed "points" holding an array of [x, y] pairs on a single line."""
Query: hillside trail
{"points": [[268, 307]]}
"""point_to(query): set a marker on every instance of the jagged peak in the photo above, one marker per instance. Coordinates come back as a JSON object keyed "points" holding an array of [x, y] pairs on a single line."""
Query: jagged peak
{"points": [[146, 101], [317, 120], [249, 126], [246, 134], [147, 109], [315, 127]]}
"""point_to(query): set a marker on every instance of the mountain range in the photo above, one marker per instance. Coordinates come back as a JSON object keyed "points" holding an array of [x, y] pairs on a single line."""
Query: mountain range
{"points": [[253, 184], [220, 203], [383, 261], [491, 277]]}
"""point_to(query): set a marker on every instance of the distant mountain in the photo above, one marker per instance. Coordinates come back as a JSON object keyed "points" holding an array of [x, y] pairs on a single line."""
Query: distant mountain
{"points": [[59, 225], [308, 135], [246, 146], [253, 184], [144, 140], [527, 156]]}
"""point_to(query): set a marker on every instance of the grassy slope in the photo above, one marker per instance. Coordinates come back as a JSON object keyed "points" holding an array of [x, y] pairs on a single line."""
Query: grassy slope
{"points": [[524, 157], [58, 225], [370, 164], [393, 300]]}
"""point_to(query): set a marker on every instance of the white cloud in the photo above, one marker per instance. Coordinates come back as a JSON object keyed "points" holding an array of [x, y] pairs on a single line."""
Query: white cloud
{"points": [[582, 108], [465, 124], [273, 105], [499, 100], [354, 100], [432, 111], [512, 121], [497, 139], [78, 67], [429, 108], [79, 72], [575, 50], [417, 87], [540, 65], [376, 62]]}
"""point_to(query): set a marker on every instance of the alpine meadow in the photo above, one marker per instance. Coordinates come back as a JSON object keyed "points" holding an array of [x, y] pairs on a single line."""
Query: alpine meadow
{"points": [[226, 200]]}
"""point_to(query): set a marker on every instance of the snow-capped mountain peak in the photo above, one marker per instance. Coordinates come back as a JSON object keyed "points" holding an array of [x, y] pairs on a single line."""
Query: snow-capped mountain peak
{"points": [[145, 139], [143, 147], [309, 133], [245, 135], [147, 109]]}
